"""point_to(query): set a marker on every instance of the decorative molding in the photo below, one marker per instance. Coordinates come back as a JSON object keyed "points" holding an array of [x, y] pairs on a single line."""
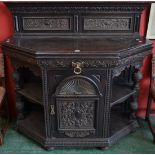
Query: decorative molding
{"points": [[77, 7], [93, 63], [79, 133], [76, 86]]}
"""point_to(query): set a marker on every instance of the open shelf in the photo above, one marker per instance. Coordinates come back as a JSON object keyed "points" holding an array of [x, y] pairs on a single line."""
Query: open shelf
{"points": [[122, 117], [120, 93], [33, 126], [33, 92]]}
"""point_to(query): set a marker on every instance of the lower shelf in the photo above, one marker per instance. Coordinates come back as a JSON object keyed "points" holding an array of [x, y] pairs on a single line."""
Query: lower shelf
{"points": [[33, 126], [120, 93]]}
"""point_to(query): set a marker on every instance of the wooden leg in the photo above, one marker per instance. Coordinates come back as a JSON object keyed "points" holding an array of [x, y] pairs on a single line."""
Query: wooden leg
{"points": [[137, 76]]}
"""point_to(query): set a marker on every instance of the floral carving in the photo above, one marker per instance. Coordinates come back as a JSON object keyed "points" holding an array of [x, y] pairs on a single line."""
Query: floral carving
{"points": [[106, 24], [44, 23], [75, 114]]}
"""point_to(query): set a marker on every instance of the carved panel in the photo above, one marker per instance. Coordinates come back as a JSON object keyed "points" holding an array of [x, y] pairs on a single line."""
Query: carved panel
{"points": [[107, 23], [44, 23], [76, 115]]}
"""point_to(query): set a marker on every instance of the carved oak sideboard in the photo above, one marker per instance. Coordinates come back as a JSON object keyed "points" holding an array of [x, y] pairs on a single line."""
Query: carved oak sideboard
{"points": [[76, 69]]}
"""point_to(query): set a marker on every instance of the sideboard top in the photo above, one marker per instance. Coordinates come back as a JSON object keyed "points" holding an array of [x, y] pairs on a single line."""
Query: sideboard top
{"points": [[76, 18], [77, 45]]}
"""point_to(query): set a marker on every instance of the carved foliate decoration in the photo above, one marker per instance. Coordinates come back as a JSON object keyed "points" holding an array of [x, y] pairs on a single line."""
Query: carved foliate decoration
{"points": [[44, 23], [78, 133], [94, 63], [76, 114], [101, 7], [19, 64], [76, 86], [107, 23]]}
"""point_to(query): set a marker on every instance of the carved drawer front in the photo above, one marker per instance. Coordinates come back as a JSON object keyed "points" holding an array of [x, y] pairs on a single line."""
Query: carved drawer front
{"points": [[77, 103], [48, 23], [103, 24]]}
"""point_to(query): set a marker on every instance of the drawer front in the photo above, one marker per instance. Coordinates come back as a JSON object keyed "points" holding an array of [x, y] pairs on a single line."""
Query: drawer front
{"points": [[61, 23]]}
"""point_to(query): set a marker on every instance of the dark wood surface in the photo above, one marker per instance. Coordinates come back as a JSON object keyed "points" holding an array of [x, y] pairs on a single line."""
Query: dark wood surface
{"points": [[83, 45], [80, 64]]}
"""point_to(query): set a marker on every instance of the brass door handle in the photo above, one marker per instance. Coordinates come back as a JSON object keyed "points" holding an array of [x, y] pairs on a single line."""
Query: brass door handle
{"points": [[77, 67], [52, 111]]}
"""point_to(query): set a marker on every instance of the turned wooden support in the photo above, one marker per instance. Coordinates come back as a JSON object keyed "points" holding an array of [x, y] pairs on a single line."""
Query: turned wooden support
{"points": [[19, 103], [137, 76]]}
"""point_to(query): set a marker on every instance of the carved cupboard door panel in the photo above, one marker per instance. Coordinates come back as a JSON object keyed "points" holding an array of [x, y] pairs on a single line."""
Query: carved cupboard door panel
{"points": [[77, 103]]}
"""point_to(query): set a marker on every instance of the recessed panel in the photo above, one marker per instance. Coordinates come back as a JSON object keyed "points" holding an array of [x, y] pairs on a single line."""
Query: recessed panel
{"points": [[47, 23]]}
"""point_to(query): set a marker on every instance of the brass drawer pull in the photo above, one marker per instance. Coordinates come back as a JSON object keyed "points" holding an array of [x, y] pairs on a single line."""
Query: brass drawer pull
{"points": [[77, 67]]}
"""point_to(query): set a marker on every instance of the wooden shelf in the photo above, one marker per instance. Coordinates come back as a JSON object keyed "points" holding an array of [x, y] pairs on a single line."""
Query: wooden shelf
{"points": [[120, 93], [33, 92], [33, 126]]}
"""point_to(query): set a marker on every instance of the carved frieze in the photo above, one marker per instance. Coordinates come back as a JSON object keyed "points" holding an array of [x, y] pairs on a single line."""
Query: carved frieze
{"points": [[93, 63], [107, 23], [104, 7], [46, 23], [78, 133]]}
